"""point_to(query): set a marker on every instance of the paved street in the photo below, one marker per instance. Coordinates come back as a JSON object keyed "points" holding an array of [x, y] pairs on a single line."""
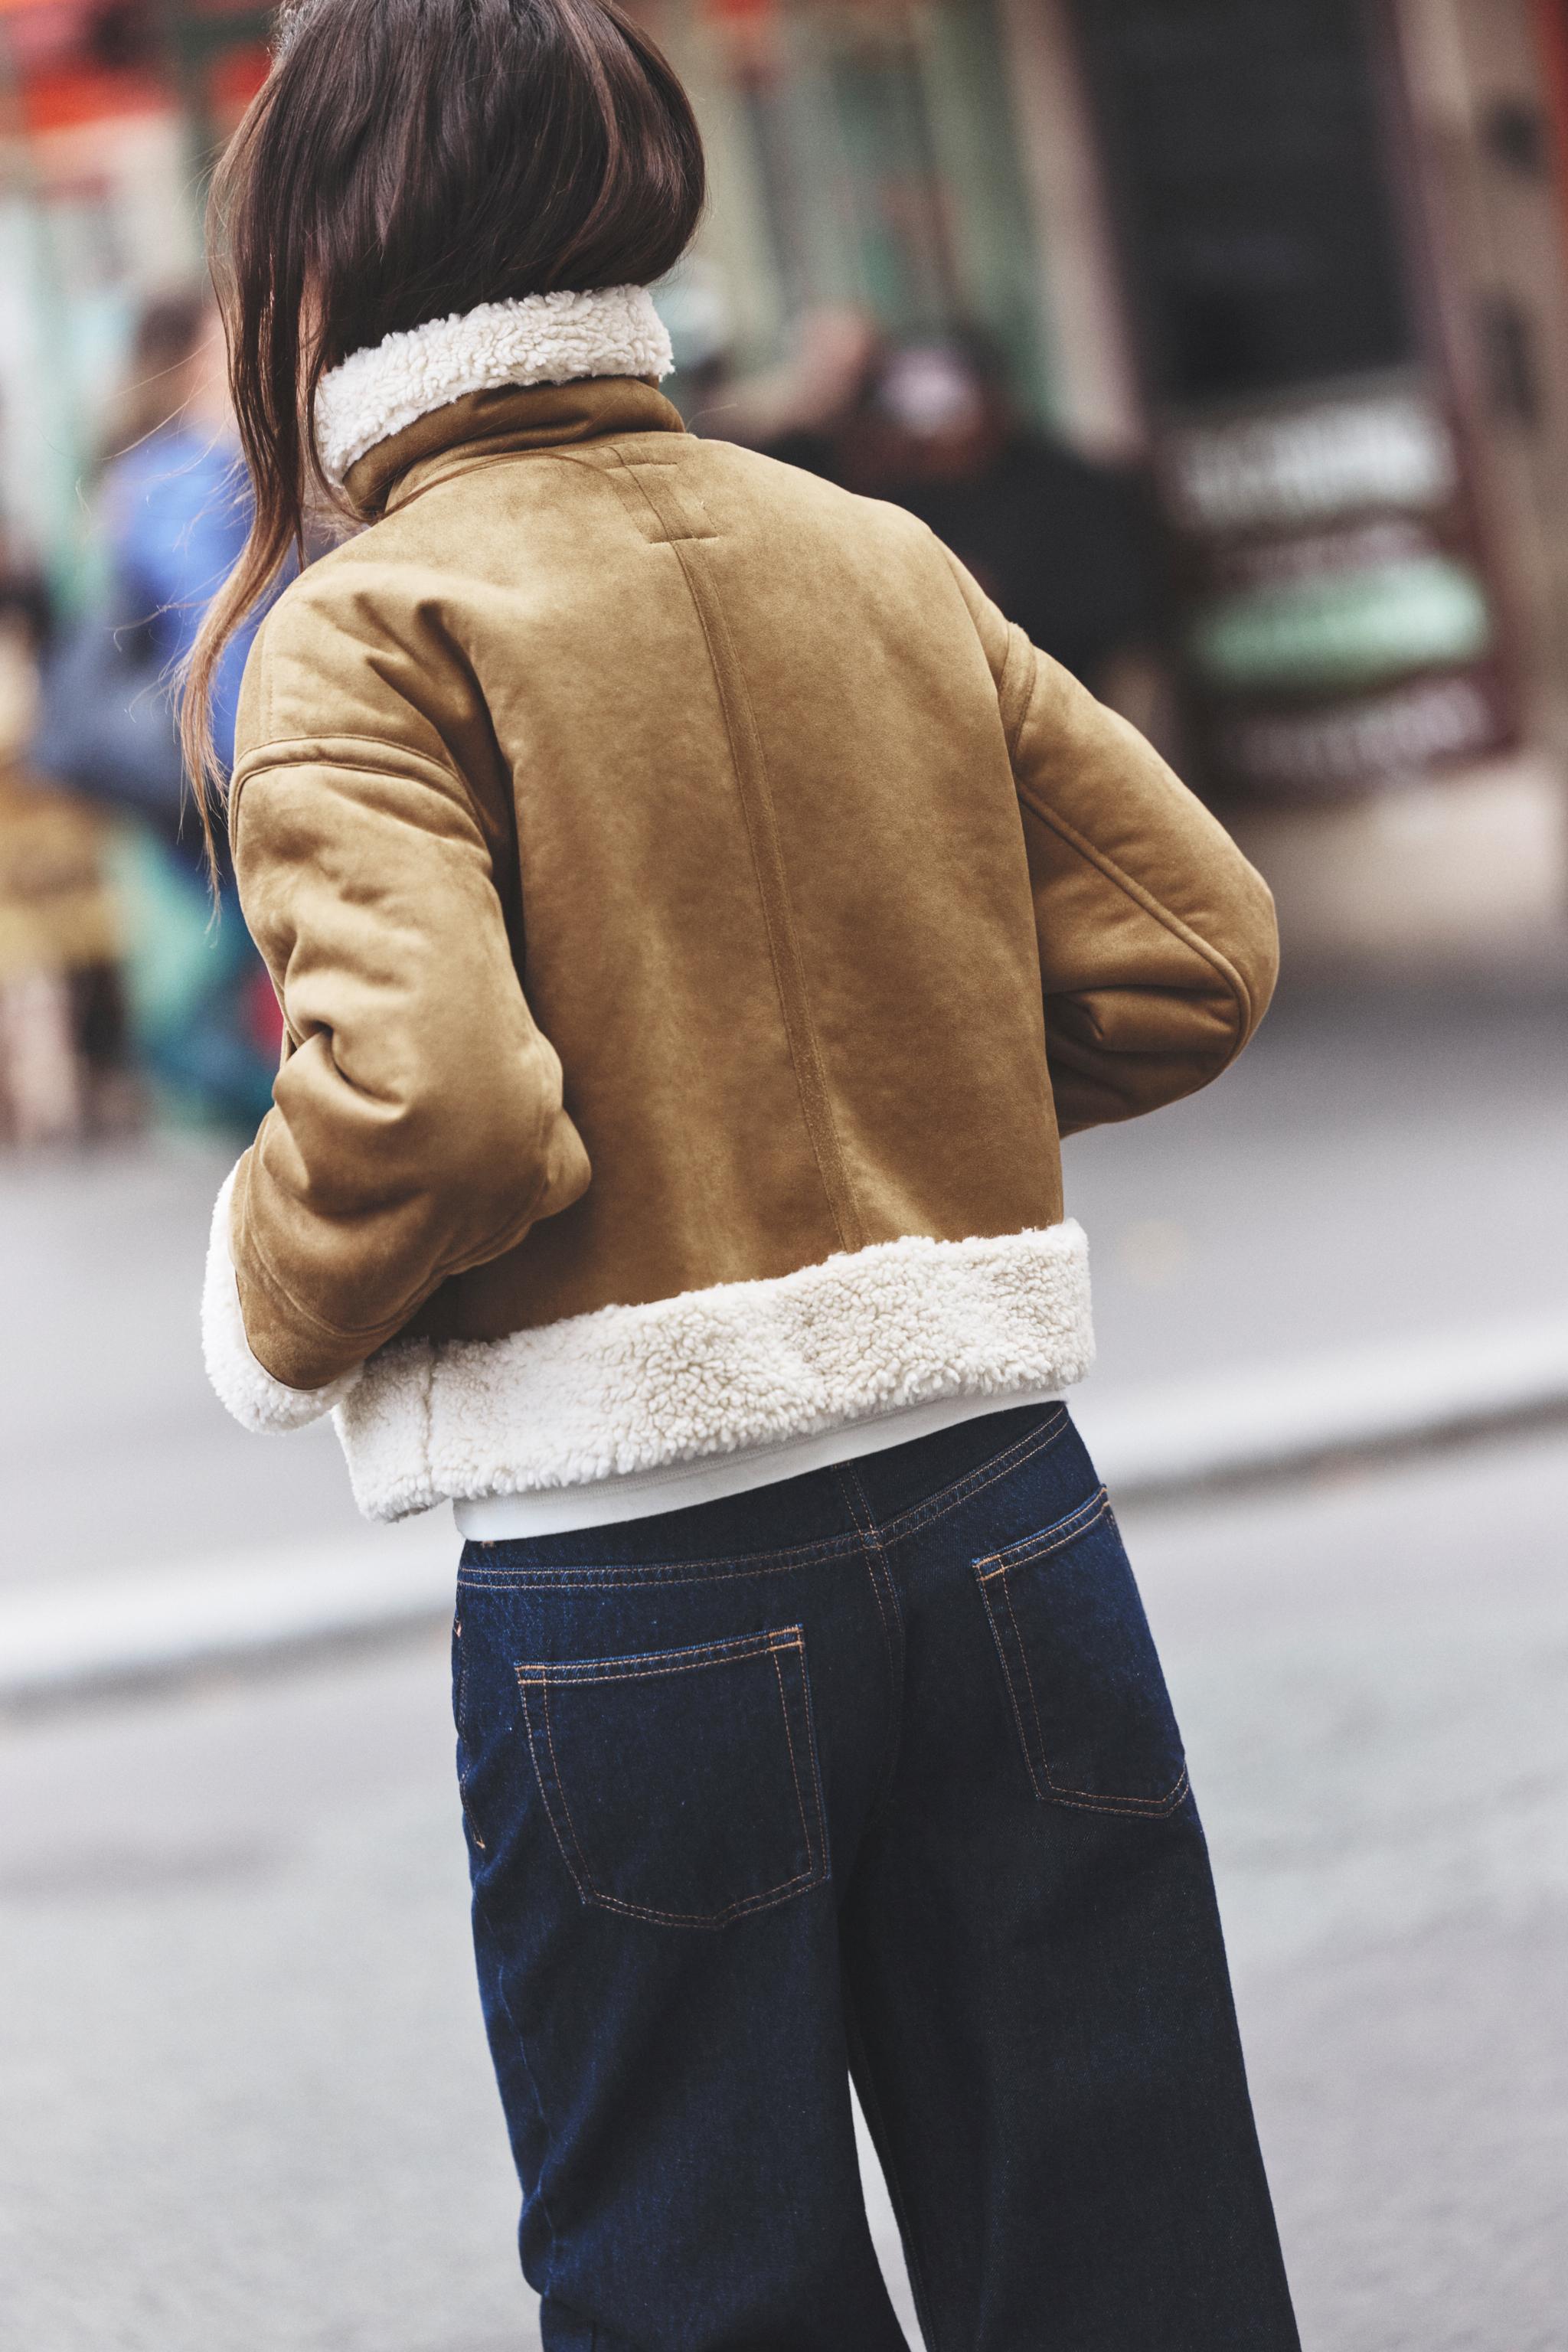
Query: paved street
{"points": [[243, 2096], [246, 2102]]}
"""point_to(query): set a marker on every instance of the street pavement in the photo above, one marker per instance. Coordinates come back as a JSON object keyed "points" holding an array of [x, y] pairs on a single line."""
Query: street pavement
{"points": [[243, 2093], [246, 2098]]}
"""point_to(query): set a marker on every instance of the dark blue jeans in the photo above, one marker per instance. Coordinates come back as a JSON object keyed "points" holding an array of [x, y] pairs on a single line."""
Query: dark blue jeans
{"points": [[873, 1774]]}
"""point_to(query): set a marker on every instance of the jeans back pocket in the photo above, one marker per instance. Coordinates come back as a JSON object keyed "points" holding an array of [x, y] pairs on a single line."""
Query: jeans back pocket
{"points": [[1083, 1680], [681, 1785]]}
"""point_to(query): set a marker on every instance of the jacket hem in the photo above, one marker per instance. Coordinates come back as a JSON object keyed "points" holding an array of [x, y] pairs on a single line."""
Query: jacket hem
{"points": [[720, 1477], [245, 1386], [630, 1390]]}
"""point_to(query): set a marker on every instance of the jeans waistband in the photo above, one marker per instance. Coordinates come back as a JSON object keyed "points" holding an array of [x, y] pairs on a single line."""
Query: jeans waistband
{"points": [[823, 1506]]}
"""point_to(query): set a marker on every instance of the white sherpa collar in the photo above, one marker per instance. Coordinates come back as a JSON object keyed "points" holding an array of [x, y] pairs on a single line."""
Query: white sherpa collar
{"points": [[542, 339]]}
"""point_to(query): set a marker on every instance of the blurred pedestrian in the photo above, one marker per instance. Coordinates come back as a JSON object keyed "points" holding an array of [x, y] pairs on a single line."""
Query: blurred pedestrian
{"points": [[1068, 546], [807, 1717], [797, 411], [173, 512]]}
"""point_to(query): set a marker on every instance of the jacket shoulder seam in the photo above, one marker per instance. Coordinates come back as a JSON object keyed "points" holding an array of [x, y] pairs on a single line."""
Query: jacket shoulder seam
{"points": [[1013, 728], [1151, 906], [312, 750], [302, 750]]}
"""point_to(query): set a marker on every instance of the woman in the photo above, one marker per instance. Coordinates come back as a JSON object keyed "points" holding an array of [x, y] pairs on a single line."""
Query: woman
{"points": [[696, 914]]}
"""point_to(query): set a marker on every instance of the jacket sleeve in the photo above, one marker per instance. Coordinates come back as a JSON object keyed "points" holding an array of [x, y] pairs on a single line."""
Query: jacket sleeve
{"points": [[417, 1125], [1158, 945]]}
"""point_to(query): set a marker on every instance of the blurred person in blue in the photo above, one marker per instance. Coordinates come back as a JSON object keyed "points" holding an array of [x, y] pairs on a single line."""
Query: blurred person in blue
{"points": [[173, 512], [175, 497]]}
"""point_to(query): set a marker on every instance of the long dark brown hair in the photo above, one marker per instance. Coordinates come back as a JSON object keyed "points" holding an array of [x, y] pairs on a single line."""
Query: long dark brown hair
{"points": [[407, 160]]}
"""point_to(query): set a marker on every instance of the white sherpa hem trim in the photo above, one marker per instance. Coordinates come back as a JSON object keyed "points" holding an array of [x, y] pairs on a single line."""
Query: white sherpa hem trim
{"points": [[246, 1388], [632, 1388], [540, 339]]}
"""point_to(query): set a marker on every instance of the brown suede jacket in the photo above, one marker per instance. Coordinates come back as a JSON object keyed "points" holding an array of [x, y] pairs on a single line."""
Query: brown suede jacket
{"points": [[697, 915]]}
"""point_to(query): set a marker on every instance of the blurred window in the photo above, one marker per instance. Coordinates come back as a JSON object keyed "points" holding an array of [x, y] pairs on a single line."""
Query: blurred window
{"points": [[1249, 158], [864, 154]]}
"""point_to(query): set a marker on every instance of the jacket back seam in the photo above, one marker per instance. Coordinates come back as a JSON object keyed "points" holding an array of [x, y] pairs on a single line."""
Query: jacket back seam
{"points": [[749, 761], [322, 752]]}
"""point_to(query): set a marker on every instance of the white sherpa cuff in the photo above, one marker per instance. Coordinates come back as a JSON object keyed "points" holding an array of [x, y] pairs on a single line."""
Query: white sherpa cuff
{"points": [[246, 1388], [540, 338]]}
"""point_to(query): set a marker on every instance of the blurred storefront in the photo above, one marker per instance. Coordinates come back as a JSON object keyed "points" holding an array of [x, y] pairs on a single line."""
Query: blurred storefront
{"points": [[108, 109], [863, 153], [1308, 258]]}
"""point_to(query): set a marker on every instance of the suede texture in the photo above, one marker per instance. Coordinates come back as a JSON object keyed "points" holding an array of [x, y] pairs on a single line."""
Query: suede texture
{"points": [[674, 872]]}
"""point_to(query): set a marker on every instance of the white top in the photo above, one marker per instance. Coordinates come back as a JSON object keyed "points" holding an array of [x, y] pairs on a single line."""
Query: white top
{"points": [[603, 1502]]}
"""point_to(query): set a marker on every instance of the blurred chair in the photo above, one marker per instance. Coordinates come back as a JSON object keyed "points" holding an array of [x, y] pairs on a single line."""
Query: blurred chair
{"points": [[173, 514], [61, 1031]]}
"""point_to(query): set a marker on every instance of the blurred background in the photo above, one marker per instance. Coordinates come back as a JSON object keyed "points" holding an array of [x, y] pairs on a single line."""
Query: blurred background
{"points": [[1226, 340]]}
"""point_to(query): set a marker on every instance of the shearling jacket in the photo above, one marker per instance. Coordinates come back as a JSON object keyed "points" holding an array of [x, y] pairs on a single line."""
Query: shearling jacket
{"points": [[696, 916]]}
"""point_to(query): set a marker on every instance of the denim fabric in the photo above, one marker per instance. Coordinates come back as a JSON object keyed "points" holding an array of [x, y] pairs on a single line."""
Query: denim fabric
{"points": [[871, 1771]]}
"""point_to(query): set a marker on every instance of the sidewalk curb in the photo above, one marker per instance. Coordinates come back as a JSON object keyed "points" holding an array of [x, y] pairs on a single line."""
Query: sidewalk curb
{"points": [[129, 1629], [1263, 1423]]}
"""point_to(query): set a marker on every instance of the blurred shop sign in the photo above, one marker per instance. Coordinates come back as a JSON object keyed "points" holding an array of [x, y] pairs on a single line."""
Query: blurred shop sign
{"points": [[1338, 624], [1308, 464]]}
